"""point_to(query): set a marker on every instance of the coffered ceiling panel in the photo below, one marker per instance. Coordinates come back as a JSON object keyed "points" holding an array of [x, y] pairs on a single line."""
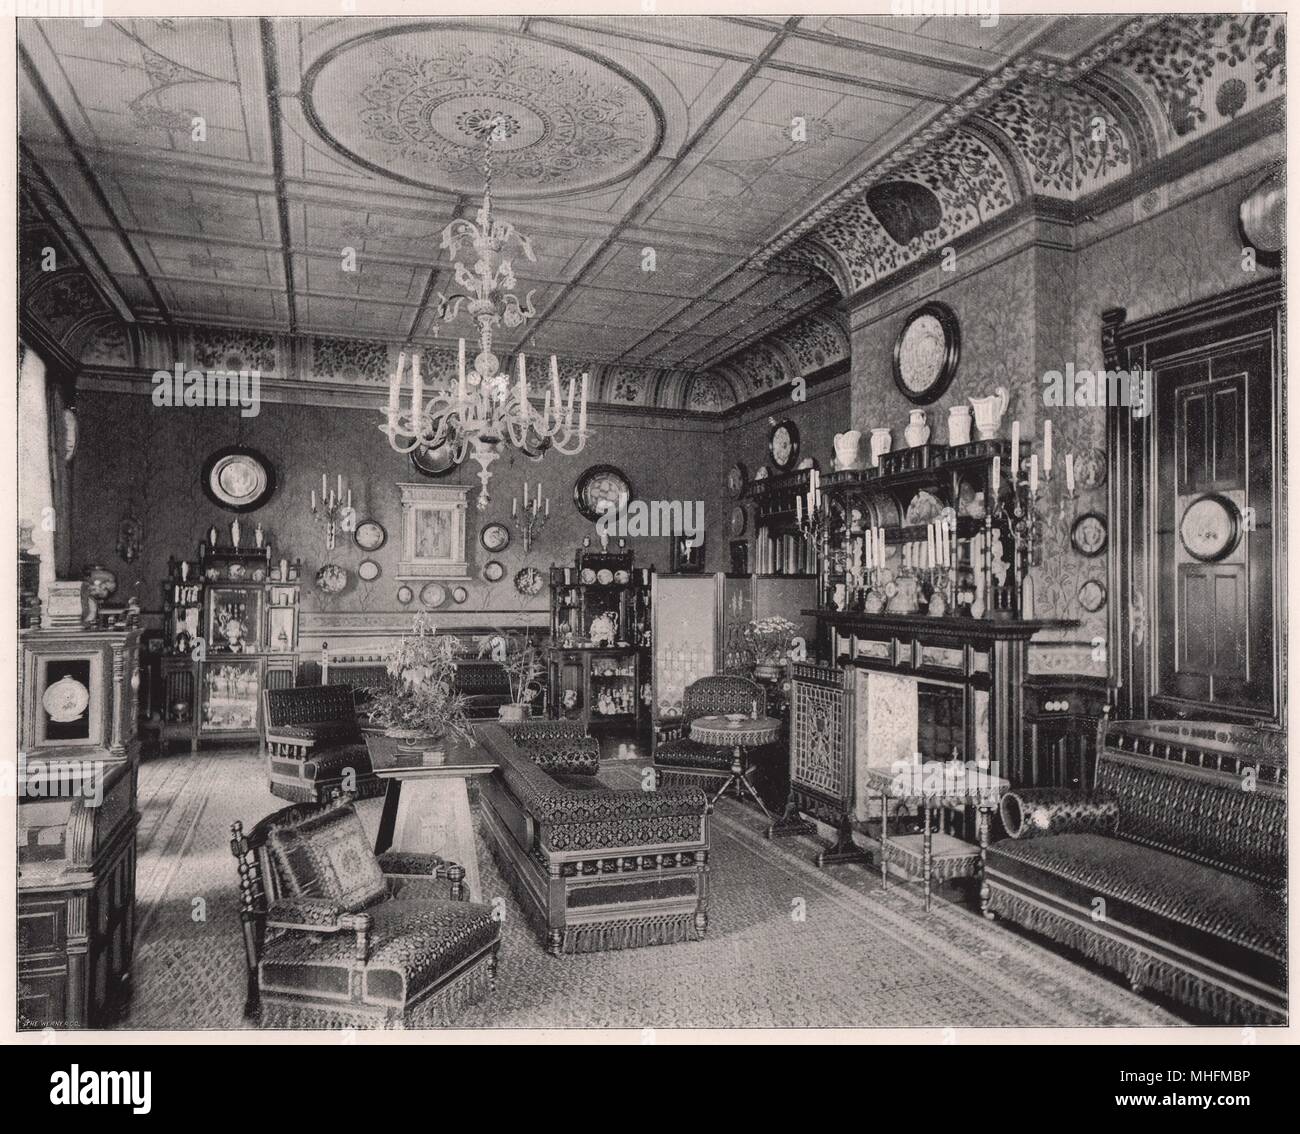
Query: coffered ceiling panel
{"points": [[296, 174]]}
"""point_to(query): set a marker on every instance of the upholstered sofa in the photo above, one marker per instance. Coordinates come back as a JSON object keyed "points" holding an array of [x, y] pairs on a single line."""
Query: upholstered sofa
{"points": [[1171, 871], [314, 744], [595, 868]]}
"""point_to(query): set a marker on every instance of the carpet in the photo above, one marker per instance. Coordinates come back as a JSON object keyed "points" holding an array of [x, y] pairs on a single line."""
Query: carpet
{"points": [[788, 945]]}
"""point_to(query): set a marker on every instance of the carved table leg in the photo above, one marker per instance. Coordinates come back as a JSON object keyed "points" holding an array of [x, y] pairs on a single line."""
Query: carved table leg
{"points": [[926, 853], [982, 834], [884, 841]]}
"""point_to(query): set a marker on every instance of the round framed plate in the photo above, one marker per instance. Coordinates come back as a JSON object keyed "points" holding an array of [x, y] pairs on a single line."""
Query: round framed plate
{"points": [[65, 700], [370, 535], [1092, 596], [737, 478], [926, 353], [459, 594], [433, 462], [494, 571], [599, 488], [331, 578], [739, 519], [238, 479], [494, 537], [368, 571], [1088, 535], [1210, 527], [783, 445], [588, 575], [529, 581], [433, 595], [1090, 468], [604, 576], [405, 595]]}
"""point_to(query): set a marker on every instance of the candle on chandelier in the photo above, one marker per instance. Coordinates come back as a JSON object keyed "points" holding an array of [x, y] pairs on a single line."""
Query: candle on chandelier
{"points": [[417, 399], [1015, 451], [1047, 447], [1033, 472], [394, 395], [568, 416], [1069, 472], [582, 413], [523, 384]]}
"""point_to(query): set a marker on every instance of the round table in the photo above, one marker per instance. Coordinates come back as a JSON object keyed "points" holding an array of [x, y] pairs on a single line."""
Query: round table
{"points": [[737, 732]]}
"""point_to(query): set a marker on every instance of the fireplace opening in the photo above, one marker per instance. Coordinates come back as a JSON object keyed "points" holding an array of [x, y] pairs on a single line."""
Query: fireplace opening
{"points": [[941, 721]]}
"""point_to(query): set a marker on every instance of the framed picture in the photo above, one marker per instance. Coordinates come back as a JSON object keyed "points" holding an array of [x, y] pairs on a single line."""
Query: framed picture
{"points": [[737, 478], [739, 556], [433, 532], [231, 693], [238, 479], [234, 619], [686, 559]]}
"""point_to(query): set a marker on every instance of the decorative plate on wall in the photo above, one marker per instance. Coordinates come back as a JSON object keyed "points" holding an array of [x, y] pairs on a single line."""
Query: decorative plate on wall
{"points": [[1210, 527], [1088, 535], [494, 571], [737, 478], [1092, 596], [368, 571], [459, 594], [783, 445], [1090, 468], [599, 488], [926, 352], [370, 535], [331, 578], [405, 594], [238, 479], [738, 520], [529, 581], [433, 595], [494, 537]]}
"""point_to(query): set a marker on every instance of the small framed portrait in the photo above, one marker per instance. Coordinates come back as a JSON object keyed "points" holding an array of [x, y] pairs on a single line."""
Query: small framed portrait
{"points": [[433, 532]]}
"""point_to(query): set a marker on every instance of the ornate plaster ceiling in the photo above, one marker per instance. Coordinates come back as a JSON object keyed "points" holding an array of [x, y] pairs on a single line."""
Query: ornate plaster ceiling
{"points": [[699, 190]]}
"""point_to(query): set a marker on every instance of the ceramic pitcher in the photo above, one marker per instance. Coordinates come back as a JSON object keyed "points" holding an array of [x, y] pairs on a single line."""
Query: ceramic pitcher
{"points": [[918, 430], [988, 413], [881, 442], [958, 425], [846, 447]]}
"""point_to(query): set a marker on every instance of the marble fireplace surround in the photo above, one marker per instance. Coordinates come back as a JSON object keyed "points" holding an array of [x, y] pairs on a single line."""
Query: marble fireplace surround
{"points": [[887, 723]]}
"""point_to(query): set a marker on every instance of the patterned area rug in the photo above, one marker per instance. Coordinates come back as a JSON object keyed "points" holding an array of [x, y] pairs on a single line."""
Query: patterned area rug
{"points": [[788, 945]]}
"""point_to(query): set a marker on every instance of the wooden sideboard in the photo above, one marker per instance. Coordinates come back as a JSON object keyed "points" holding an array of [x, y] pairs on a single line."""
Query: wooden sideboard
{"points": [[77, 819]]}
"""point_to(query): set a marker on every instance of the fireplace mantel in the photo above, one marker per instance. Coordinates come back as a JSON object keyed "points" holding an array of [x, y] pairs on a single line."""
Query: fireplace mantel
{"points": [[922, 625]]}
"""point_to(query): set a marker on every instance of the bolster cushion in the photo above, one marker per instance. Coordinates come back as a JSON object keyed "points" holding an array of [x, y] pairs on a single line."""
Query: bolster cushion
{"points": [[1030, 813]]}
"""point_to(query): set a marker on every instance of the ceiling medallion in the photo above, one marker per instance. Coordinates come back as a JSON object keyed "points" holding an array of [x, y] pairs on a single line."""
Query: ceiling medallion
{"points": [[411, 103]]}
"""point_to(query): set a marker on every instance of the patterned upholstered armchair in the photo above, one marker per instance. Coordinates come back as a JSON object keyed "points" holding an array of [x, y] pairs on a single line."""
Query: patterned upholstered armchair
{"points": [[335, 937], [313, 742], [682, 762]]}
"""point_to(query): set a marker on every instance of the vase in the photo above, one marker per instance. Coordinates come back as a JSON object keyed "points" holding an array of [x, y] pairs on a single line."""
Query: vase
{"points": [[846, 447], [918, 430], [767, 670], [881, 442], [412, 739], [512, 712], [958, 425], [988, 413]]}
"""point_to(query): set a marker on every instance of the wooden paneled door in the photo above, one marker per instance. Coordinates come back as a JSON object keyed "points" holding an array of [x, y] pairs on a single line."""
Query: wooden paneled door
{"points": [[1197, 548]]}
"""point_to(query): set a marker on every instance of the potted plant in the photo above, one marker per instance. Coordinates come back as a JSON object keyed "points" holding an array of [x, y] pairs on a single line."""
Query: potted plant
{"points": [[519, 656], [770, 639], [418, 704]]}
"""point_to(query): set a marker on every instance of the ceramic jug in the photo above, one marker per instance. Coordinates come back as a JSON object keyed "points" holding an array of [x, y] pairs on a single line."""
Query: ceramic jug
{"points": [[881, 442], [917, 431], [988, 413], [958, 425], [846, 447]]}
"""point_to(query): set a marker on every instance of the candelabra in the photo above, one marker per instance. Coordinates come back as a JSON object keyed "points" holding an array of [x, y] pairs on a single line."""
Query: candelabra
{"points": [[331, 511], [1017, 509], [533, 516]]}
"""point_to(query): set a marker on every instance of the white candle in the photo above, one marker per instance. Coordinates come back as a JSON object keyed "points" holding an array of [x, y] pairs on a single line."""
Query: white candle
{"points": [[798, 509], [870, 551], [1015, 451], [997, 480], [1047, 447], [324, 486], [523, 383], [1069, 472], [525, 496], [514, 506], [417, 400], [929, 544], [582, 413], [313, 500], [394, 393], [349, 498], [461, 363], [538, 498], [568, 416], [1033, 472], [548, 505], [340, 486]]}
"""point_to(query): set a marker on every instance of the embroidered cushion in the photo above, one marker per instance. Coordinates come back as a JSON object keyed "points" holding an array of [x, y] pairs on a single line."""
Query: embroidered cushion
{"points": [[329, 856]]}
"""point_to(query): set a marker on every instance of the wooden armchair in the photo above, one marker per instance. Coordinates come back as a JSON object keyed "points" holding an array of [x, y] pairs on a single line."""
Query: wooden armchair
{"points": [[314, 744], [336, 937]]}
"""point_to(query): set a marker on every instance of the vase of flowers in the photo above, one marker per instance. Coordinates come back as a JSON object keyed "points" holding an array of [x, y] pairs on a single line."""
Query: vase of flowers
{"points": [[770, 640], [519, 656], [417, 705]]}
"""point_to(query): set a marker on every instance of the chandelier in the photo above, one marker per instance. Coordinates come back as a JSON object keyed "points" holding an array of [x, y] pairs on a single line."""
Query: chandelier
{"points": [[485, 408]]}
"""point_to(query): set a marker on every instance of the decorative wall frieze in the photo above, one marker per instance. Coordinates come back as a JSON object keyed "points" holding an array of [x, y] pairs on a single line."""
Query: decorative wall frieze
{"points": [[802, 348]]}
